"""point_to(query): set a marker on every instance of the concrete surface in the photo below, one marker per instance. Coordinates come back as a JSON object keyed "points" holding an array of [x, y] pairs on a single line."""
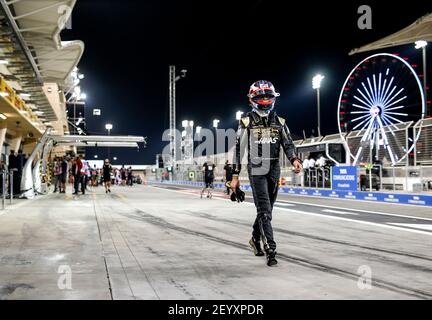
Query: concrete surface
{"points": [[147, 242]]}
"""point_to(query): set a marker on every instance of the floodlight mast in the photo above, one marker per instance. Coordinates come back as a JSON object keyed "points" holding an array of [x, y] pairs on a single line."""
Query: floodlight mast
{"points": [[316, 85], [172, 110]]}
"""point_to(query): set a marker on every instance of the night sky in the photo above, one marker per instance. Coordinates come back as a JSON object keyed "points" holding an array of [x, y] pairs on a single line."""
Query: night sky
{"points": [[225, 46]]}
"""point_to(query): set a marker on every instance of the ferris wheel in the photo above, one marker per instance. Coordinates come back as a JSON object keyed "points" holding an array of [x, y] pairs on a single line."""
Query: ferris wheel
{"points": [[380, 99]]}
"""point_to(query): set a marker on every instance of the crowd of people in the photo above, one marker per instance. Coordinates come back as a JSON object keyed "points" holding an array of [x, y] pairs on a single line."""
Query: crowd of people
{"points": [[310, 162], [78, 172], [314, 170]]}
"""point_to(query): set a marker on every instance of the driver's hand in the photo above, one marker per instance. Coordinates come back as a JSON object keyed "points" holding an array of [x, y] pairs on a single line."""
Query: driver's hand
{"points": [[297, 166], [235, 183]]}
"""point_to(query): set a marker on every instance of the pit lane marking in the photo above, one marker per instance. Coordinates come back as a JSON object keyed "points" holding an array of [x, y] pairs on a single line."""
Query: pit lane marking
{"points": [[321, 215], [414, 225], [340, 212]]}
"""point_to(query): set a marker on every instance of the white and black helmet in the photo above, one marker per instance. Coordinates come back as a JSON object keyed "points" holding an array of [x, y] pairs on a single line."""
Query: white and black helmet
{"points": [[262, 96]]}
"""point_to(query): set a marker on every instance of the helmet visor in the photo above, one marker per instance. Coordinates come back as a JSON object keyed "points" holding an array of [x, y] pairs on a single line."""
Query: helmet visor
{"points": [[264, 101]]}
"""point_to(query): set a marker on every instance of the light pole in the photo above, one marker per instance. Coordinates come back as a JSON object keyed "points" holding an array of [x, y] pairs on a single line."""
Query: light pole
{"points": [[421, 44], [109, 127], [173, 78], [316, 84]]}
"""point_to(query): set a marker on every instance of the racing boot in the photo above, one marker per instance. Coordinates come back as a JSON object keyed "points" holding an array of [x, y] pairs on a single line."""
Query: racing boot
{"points": [[256, 246], [271, 257]]}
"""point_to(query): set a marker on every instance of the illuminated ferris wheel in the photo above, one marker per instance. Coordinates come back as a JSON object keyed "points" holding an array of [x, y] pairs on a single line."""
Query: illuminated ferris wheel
{"points": [[381, 98]]}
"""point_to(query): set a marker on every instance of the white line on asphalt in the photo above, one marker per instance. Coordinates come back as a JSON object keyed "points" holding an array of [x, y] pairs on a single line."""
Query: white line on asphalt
{"points": [[285, 204], [356, 221], [321, 215], [414, 225], [357, 210], [340, 212]]}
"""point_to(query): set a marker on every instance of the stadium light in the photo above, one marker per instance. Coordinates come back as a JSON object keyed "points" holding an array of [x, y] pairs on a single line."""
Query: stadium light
{"points": [[420, 44], [316, 85], [316, 81], [239, 115]]}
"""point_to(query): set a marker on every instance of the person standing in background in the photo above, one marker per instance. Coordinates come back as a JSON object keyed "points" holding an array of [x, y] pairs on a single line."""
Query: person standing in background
{"points": [[117, 177], [123, 175], [13, 166], [228, 176], [76, 171], [129, 176], [18, 174], [64, 169], [12, 160], [57, 175], [84, 172], [94, 175], [209, 175], [107, 169]]}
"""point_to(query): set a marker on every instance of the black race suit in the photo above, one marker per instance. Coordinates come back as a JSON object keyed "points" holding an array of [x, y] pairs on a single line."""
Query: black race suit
{"points": [[208, 175], [263, 138]]}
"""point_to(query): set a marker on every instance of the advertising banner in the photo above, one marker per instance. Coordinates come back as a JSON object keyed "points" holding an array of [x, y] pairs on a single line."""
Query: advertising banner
{"points": [[344, 178]]}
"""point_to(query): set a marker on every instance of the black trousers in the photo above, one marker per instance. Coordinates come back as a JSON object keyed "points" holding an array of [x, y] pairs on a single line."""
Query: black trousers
{"points": [[265, 188], [79, 179], [17, 182]]}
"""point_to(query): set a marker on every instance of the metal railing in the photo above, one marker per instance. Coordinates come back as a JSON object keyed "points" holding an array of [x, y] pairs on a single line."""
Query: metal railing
{"points": [[316, 177], [7, 177]]}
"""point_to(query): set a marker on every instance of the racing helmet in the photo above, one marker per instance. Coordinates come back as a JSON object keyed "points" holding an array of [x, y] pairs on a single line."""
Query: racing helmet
{"points": [[262, 97]]}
